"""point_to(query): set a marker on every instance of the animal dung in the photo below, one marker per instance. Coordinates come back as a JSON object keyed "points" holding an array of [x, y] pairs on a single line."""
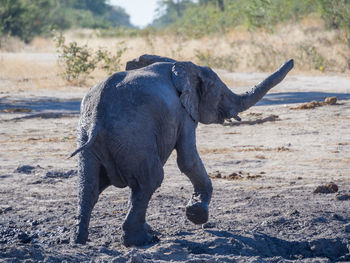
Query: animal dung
{"points": [[314, 104], [235, 176], [328, 188]]}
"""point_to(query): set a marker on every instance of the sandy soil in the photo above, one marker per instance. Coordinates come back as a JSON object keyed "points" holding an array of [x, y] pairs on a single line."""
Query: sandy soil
{"points": [[265, 212]]}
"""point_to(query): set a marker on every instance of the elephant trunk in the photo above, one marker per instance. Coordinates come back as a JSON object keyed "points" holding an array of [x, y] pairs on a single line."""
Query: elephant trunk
{"points": [[252, 97]]}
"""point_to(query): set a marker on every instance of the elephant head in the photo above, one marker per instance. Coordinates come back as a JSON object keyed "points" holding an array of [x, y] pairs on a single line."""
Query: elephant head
{"points": [[204, 96]]}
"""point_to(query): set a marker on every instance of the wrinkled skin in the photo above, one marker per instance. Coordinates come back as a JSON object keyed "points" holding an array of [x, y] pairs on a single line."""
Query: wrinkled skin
{"points": [[131, 122]]}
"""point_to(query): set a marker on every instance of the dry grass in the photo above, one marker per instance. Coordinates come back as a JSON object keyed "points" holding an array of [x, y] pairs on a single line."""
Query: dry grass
{"points": [[314, 49]]}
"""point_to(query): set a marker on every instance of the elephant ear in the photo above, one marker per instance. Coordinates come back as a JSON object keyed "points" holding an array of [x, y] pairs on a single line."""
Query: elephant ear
{"points": [[185, 79]]}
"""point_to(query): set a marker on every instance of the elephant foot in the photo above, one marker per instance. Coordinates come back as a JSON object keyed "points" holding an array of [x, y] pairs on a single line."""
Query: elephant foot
{"points": [[139, 238], [80, 238], [197, 212]]}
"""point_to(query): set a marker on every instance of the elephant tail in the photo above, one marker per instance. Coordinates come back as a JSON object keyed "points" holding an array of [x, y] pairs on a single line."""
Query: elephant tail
{"points": [[92, 137]]}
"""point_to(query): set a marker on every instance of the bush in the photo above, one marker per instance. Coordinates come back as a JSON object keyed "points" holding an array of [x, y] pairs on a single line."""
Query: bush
{"points": [[80, 61]]}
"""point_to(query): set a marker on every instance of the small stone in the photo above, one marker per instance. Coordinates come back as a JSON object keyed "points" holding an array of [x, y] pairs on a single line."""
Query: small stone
{"points": [[326, 189]]}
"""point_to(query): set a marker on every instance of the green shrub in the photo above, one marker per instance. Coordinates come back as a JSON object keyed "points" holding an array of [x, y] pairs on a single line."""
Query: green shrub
{"points": [[80, 61], [107, 61], [336, 14]]}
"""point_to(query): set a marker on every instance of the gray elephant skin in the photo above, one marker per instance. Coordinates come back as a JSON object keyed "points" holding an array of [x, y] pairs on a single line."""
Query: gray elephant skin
{"points": [[132, 121]]}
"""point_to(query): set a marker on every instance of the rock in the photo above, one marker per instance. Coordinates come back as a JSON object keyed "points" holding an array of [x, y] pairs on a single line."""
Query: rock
{"points": [[342, 197], [326, 189]]}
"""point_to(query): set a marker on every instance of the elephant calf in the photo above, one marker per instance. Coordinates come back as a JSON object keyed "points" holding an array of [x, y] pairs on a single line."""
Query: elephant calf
{"points": [[132, 121]]}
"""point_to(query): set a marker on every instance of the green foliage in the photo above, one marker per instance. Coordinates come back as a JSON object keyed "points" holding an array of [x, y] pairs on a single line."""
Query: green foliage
{"points": [[219, 16], [108, 62], [26, 19], [336, 14], [80, 61], [170, 11]]}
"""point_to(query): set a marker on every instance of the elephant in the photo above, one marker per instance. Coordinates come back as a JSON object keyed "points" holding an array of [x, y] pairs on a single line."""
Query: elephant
{"points": [[132, 121]]}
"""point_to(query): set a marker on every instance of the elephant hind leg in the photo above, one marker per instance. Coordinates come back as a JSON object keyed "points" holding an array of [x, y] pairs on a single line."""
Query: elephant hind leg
{"points": [[136, 231], [104, 181], [88, 191]]}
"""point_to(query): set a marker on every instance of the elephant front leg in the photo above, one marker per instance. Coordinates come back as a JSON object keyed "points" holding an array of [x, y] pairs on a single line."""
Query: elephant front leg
{"points": [[189, 162]]}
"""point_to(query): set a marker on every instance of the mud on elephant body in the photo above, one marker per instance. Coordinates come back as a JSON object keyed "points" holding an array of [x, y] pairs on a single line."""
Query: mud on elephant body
{"points": [[131, 122]]}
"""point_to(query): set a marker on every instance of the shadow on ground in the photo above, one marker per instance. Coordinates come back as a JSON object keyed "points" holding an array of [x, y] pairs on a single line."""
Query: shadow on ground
{"points": [[41, 104], [299, 97], [265, 246], [73, 106]]}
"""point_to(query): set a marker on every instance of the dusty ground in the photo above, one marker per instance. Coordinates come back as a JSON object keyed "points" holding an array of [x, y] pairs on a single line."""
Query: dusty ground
{"points": [[269, 213]]}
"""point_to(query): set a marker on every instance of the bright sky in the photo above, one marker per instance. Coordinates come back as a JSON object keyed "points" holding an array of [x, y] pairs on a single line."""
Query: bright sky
{"points": [[142, 12]]}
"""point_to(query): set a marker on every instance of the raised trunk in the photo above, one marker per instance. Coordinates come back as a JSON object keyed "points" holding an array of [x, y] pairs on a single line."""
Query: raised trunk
{"points": [[252, 97]]}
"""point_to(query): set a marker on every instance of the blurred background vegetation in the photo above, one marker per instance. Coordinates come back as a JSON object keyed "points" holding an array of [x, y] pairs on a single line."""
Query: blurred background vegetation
{"points": [[92, 38], [26, 19]]}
